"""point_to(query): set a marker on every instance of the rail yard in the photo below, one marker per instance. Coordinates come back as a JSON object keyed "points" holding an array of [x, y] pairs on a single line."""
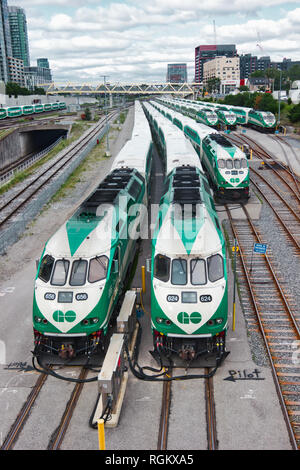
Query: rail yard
{"points": [[227, 378]]}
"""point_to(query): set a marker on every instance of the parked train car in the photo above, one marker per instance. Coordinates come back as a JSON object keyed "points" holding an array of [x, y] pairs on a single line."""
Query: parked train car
{"points": [[173, 147], [202, 114], [226, 164], [25, 110], [84, 265], [263, 121], [189, 298]]}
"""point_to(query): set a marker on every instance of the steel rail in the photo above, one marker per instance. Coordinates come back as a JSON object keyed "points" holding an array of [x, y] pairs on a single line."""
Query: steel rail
{"points": [[68, 155], [17, 426], [162, 441], [258, 314], [263, 154], [271, 205], [212, 441], [58, 438]]}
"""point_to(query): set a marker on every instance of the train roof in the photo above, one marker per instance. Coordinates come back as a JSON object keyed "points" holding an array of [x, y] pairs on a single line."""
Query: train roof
{"points": [[179, 150], [92, 229], [134, 154], [188, 216]]}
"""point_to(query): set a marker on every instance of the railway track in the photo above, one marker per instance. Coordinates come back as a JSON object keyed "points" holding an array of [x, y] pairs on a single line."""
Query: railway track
{"points": [[272, 311], [59, 434], [33, 185], [18, 424], [284, 172], [211, 424]]}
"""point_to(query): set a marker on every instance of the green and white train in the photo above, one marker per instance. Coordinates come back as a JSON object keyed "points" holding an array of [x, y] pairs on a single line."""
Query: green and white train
{"points": [[189, 298], [84, 265], [202, 114], [226, 165], [263, 121], [25, 110]]}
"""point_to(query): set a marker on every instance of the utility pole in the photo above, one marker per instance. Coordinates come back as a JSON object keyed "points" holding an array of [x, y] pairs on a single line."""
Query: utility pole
{"points": [[106, 123], [279, 97]]}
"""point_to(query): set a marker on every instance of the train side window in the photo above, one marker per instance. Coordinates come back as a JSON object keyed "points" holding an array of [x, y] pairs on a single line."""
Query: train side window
{"points": [[198, 272], [60, 272], [78, 273], [215, 268], [98, 269], [46, 268], [179, 272], [244, 163], [161, 268]]}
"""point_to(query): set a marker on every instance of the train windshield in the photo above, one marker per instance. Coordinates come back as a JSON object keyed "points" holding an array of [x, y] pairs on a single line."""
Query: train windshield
{"points": [[60, 272], [198, 271], [215, 268], [229, 164], [179, 272], [46, 268], [221, 163], [161, 268], [98, 269], [78, 273]]}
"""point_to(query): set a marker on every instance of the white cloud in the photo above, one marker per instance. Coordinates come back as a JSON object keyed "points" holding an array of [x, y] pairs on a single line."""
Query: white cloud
{"points": [[131, 41]]}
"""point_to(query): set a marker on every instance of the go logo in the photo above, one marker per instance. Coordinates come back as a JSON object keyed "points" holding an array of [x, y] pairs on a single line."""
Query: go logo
{"points": [[61, 317], [186, 319]]}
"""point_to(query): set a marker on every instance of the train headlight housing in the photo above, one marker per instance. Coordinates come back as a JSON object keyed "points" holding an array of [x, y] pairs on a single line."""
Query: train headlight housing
{"points": [[166, 321]]}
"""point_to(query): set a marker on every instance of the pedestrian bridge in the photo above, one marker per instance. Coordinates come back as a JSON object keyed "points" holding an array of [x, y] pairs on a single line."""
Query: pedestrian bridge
{"points": [[119, 89]]}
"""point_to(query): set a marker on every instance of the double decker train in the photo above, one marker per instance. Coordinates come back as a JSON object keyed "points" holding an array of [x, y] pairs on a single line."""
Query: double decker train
{"points": [[189, 298], [83, 269], [226, 165], [263, 121], [26, 110]]}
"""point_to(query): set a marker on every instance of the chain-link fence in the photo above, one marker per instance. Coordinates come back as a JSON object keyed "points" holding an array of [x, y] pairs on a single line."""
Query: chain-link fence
{"points": [[11, 234]]}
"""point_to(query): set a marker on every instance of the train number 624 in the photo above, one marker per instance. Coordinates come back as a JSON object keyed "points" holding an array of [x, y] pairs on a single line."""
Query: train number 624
{"points": [[205, 298]]}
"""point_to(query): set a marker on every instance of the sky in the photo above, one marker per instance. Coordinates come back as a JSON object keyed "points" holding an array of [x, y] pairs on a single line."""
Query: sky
{"points": [[132, 41]]}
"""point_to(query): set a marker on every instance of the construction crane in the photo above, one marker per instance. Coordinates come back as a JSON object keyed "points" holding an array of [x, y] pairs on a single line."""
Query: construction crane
{"points": [[259, 43], [215, 32]]}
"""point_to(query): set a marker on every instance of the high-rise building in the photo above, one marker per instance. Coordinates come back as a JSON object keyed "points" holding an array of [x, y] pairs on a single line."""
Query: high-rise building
{"points": [[248, 65], [19, 35], [43, 62], [177, 73], [207, 52], [16, 71], [5, 41]]}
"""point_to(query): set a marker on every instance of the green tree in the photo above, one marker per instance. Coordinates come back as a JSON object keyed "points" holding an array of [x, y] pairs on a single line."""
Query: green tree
{"points": [[213, 85], [294, 114], [294, 73]]}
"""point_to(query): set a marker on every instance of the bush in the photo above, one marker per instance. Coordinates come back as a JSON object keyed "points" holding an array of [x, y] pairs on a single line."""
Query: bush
{"points": [[294, 114]]}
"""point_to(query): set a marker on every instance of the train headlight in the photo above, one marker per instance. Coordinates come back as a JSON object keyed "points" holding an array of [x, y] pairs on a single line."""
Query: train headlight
{"points": [[219, 321], [159, 320], [94, 320], [38, 319]]}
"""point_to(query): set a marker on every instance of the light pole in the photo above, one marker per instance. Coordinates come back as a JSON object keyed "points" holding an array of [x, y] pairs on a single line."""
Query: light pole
{"points": [[279, 97], [106, 124]]}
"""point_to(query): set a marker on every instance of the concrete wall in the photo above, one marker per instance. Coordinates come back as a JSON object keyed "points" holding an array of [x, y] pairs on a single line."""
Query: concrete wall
{"points": [[72, 100], [10, 149], [18, 144]]}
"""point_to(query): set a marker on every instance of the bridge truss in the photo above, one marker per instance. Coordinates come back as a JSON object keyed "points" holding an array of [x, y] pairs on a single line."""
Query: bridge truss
{"points": [[119, 89]]}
